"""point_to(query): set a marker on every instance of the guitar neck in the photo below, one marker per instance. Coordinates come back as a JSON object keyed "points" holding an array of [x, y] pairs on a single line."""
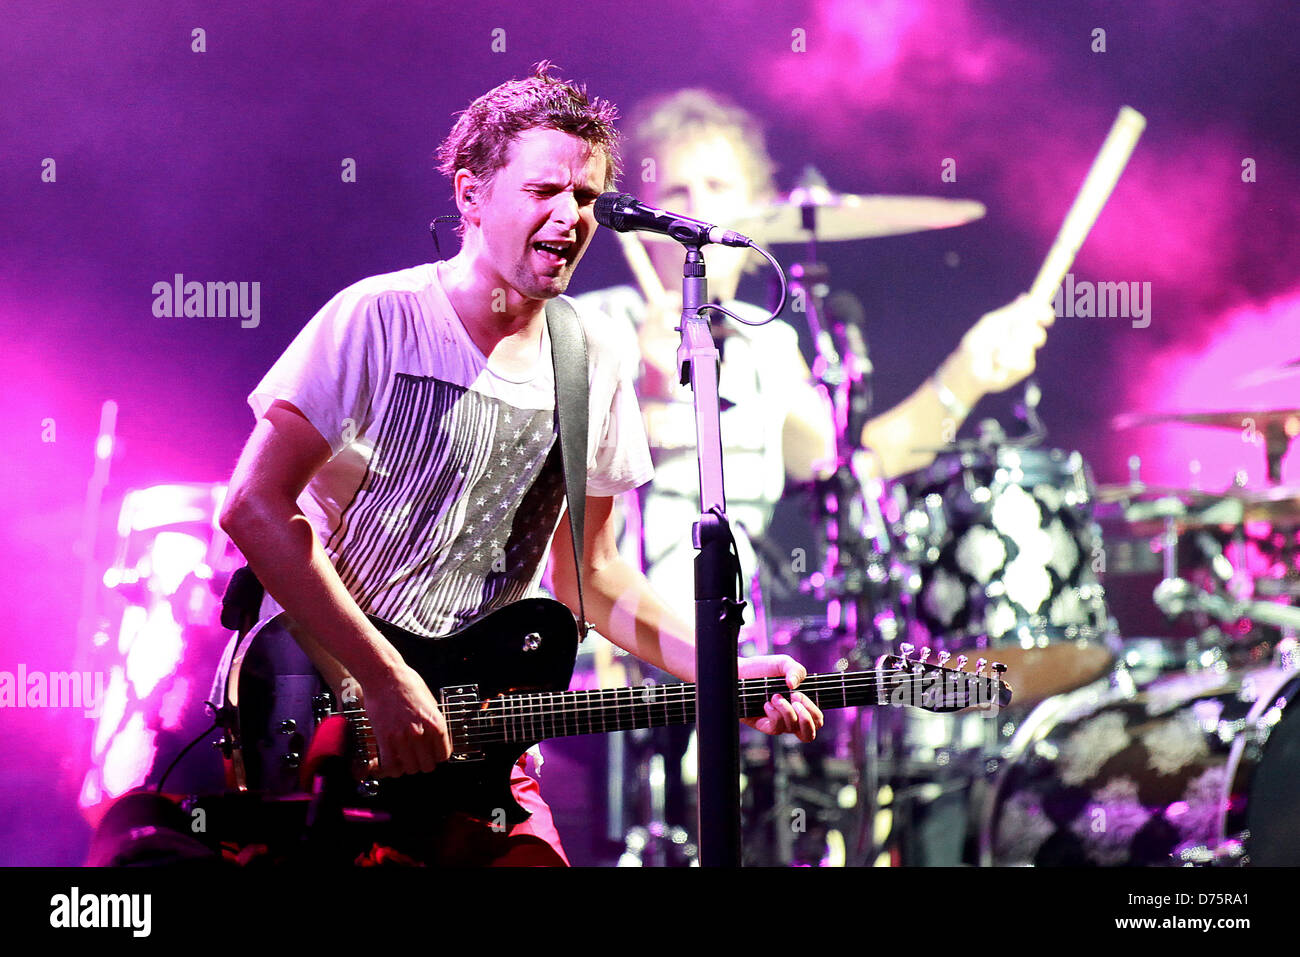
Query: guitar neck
{"points": [[533, 717]]}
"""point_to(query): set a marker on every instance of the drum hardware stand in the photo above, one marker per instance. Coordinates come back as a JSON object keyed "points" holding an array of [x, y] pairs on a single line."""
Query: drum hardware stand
{"points": [[816, 804], [855, 576], [855, 581], [795, 797], [639, 838], [651, 843], [1174, 596], [637, 783]]}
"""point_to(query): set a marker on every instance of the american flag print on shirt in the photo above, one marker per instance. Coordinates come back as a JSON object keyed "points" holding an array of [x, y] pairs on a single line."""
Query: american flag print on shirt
{"points": [[456, 510]]}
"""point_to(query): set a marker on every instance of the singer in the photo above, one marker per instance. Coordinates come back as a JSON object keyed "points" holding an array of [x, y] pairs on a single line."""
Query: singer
{"points": [[404, 464]]}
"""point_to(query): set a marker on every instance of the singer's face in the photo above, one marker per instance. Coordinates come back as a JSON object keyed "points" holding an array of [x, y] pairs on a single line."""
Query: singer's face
{"points": [[704, 178], [538, 215]]}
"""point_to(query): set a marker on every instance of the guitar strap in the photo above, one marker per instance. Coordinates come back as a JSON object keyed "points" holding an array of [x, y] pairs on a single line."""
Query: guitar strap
{"points": [[569, 357]]}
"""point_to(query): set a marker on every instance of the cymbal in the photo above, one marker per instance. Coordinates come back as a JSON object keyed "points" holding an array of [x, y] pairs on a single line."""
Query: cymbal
{"points": [[1127, 491], [843, 216], [1148, 506], [1145, 509], [1269, 374], [1279, 505], [1259, 419]]}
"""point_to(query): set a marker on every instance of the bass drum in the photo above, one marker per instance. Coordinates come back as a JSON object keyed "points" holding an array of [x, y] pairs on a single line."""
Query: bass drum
{"points": [[1001, 555], [1199, 767], [1261, 826]]}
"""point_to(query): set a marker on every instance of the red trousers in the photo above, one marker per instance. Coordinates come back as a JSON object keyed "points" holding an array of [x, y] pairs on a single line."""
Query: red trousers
{"points": [[463, 841]]}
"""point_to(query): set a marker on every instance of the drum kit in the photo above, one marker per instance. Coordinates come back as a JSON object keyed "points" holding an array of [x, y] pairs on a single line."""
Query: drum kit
{"points": [[1119, 748]]}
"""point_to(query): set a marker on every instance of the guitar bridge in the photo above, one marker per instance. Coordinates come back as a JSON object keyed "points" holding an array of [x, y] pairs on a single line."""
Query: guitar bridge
{"points": [[460, 705]]}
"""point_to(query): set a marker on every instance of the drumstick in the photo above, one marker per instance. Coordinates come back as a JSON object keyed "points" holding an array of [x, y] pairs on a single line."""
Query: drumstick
{"points": [[639, 261], [1096, 189]]}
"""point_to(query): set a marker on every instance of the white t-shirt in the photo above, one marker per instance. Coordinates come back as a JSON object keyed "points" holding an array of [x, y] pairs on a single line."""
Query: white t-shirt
{"points": [[444, 485]]}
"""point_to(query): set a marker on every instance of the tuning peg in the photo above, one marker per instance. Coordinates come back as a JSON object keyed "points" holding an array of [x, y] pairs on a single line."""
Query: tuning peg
{"points": [[961, 662], [1000, 669], [906, 648], [943, 657], [979, 666], [925, 654]]}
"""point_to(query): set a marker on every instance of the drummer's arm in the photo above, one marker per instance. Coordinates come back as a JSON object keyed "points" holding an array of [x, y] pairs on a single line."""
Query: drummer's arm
{"points": [[808, 435], [904, 438], [995, 354]]}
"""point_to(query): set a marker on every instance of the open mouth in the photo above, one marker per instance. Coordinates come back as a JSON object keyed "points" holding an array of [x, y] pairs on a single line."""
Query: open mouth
{"points": [[554, 253]]}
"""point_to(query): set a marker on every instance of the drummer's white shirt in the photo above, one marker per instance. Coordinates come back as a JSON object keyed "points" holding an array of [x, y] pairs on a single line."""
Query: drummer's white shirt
{"points": [[760, 377]]}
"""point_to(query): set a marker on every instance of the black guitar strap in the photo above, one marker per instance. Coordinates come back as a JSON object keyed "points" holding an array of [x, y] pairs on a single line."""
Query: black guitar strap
{"points": [[569, 356]]}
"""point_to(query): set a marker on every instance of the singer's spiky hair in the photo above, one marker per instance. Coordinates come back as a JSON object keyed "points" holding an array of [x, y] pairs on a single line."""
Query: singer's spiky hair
{"points": [[480, 140]]}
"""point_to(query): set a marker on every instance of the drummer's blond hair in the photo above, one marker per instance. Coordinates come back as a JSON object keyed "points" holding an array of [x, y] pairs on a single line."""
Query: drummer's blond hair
{"points": [[695, 113]]}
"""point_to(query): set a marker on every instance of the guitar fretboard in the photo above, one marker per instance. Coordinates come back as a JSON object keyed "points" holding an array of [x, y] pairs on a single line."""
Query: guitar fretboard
{"points": [[533, 717]]}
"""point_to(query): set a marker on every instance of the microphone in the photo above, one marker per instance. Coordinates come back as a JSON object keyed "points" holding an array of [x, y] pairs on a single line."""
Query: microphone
{"points": [[623, 212]]}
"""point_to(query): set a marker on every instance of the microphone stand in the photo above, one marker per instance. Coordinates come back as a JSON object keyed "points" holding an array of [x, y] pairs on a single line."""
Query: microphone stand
{"points": [[718, 606]]}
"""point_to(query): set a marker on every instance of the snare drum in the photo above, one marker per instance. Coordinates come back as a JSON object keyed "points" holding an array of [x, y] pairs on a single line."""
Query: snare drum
{"points": [[1002, 555], [1199, 767]]}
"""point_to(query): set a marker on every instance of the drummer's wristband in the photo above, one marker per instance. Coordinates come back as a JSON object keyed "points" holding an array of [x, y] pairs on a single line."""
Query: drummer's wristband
{"points": [[948, 398]]}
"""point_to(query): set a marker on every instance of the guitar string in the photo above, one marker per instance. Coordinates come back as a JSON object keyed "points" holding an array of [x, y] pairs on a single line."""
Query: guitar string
{"points": [[466, 738], [547, 703], [524, 714], [659, 694]]}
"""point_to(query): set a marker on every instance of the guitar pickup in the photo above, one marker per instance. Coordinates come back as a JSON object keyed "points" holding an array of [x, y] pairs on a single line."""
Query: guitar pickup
{"points": [[460, 706]]}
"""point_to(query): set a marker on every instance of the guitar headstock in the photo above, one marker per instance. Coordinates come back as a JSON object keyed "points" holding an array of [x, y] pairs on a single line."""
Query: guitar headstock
{"points": [[943, 688]]}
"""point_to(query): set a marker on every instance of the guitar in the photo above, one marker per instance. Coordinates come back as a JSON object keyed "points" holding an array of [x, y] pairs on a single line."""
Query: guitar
{"points": [[501, 684]]}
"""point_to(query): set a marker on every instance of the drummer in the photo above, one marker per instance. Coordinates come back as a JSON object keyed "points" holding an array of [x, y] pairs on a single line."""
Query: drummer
{"points": [[700, 155]]}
